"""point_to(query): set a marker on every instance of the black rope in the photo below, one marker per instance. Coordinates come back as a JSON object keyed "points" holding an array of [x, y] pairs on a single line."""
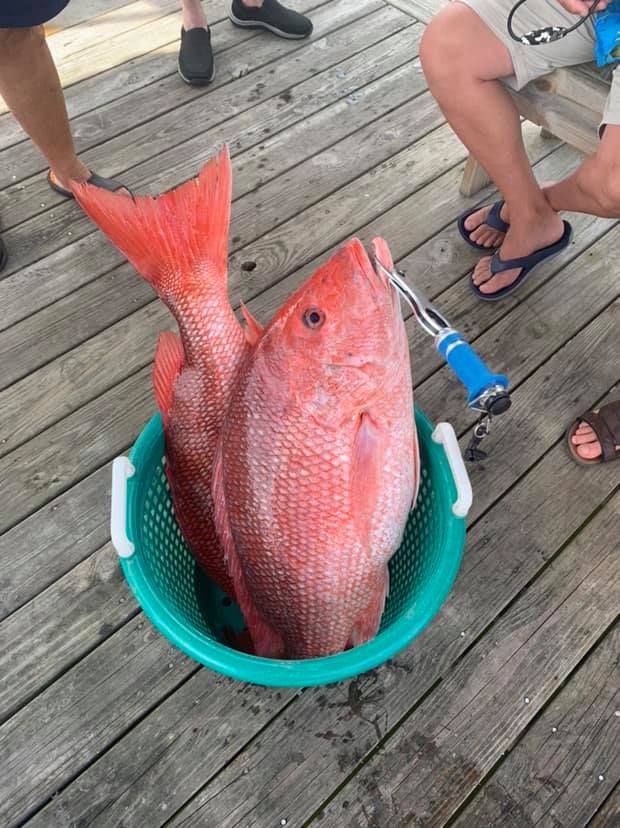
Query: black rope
{"points": [[548, 34]]}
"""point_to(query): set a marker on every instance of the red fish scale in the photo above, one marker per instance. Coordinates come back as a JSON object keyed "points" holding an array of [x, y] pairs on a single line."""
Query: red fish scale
{"points": [[214, 346]]}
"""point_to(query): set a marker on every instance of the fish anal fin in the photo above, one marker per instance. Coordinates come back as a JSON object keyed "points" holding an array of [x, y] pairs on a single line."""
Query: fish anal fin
{"points": [[168, 365], [253, 330], [367, 463]]}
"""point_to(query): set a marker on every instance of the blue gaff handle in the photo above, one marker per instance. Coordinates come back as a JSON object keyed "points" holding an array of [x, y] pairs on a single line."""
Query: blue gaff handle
{"points": [[467, 365]]}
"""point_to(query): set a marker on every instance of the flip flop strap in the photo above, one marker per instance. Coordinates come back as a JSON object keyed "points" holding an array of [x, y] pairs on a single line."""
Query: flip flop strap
{"points": [[105, 183], [606, 425], [494, 220], [498, 265]]}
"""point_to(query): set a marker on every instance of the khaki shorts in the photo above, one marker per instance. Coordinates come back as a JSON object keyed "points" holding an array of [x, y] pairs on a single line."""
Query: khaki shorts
{"points": [[530, 62]]}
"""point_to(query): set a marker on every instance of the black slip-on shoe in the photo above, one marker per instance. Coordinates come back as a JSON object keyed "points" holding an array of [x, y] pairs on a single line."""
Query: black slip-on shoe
{"points": [[196, 65], [272, 16]]}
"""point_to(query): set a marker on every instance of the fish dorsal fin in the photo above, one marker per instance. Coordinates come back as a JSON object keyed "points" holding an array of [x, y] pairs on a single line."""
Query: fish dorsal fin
{"points": [[366, 467], [176, 240], [253, 330], [168, 365], [382, 252]]}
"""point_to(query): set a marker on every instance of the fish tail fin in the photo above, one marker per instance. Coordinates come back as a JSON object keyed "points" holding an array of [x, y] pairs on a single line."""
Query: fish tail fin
{"points": [[169, 359], [176, 239]]}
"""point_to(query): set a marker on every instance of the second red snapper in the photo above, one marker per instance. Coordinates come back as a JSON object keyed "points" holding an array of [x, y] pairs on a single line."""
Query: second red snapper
{"points": [[317, 463], [178, 242]]}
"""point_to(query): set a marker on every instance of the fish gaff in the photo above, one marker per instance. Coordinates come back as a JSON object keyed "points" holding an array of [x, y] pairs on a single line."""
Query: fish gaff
{"points": [[487, 392]]}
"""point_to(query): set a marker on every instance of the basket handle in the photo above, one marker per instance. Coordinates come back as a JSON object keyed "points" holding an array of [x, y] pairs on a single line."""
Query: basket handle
{"points": [[444, 434], [122, 470]]}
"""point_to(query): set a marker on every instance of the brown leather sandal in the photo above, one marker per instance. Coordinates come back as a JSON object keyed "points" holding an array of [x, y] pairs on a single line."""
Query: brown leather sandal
{"points": [[606, 425]]}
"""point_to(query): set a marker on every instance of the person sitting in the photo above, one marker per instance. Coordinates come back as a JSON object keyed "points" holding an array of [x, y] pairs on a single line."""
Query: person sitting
{"points": [[465, 52]]}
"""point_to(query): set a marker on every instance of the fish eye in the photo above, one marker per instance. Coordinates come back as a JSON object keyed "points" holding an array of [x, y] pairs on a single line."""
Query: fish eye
{"points": [[313, 318]]}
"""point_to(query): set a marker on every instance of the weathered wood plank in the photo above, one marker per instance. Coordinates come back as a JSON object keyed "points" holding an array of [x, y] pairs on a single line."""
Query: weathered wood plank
{"points": [[62, 385], [63, 623], [554, 513], [422, 10], [38, 472], [35, 479], [110, 26], [439, 258], [609, 815], [61, 730], [578, 125], [500, 560], [54, 276], [73, 448], [567, 763], [493, 567], [150, 140], [99, 91], [452, 740], [324, 129], [338, 726], [45, 546], [180, 111], [76, 13], [127, 45], [475, 177]]}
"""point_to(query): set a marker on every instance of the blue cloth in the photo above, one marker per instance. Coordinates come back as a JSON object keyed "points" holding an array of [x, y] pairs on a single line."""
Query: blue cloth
{"points": [[18, 14], [607, 27]]}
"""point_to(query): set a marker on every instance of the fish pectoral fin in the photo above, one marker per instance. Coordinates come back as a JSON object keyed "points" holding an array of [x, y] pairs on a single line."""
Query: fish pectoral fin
{"points": [[169, 360], [253, 330], [366, 467]]}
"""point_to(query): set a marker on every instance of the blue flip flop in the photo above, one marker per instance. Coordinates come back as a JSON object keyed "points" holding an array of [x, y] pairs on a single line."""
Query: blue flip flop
{"points": [[526, 263], [493, 221]]}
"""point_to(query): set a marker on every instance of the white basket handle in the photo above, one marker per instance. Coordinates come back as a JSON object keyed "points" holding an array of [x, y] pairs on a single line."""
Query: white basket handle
{"points": [[444, 434], [122, 470]]}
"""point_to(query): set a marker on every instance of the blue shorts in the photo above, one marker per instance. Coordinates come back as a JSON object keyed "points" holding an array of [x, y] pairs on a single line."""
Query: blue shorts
{"points": [[18, 14]]}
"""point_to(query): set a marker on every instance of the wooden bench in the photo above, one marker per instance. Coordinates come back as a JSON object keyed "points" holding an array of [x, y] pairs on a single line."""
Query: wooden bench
{"points": [[568, 104]]}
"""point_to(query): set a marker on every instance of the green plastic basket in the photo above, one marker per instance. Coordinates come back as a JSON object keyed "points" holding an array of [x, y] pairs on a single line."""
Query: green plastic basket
{"points": [[192, 613]]}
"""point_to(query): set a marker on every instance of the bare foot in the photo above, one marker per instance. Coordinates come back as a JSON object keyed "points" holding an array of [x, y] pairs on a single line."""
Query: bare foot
{"points": [[480, 232], [586, 442], [78, 173], [524, 237], [79, 177]]}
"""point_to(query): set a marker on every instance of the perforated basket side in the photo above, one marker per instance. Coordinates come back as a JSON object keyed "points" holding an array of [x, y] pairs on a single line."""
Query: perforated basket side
{"points": [[162, 572]]}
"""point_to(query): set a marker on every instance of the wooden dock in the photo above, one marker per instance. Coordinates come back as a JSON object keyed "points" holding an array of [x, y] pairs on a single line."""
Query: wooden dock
{"points": [[506, 710]]}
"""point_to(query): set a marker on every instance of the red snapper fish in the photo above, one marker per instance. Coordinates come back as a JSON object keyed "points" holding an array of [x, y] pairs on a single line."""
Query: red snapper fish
{"points": [[317, 462], [178, 243]]}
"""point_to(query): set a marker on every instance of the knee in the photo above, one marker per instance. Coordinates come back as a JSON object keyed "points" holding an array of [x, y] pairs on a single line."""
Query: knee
{"points": [[444, 48], [14, 40]]}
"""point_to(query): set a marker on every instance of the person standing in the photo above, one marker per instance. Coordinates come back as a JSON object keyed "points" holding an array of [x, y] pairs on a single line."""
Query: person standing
{"points": [[196, 64], [30, 86]]}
